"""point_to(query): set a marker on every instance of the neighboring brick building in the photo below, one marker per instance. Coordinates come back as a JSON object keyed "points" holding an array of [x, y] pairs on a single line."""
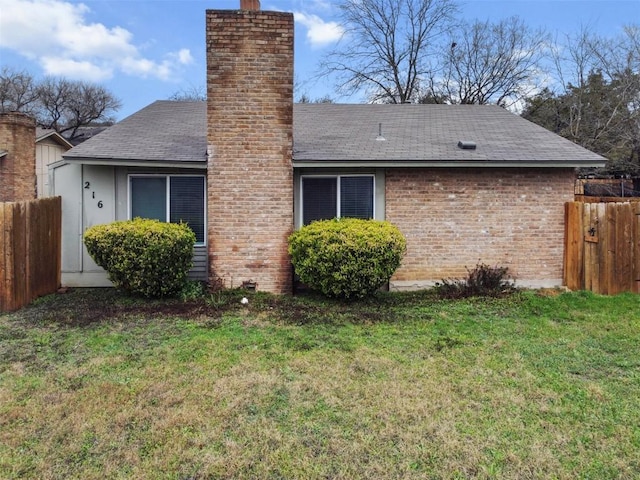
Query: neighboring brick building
{"points": [[17, 157], [464, 183]]}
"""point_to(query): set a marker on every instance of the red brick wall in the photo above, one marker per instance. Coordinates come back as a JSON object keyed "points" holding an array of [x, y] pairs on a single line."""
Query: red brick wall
{"points": [[250, 129], [454, 218], [18, 166]]}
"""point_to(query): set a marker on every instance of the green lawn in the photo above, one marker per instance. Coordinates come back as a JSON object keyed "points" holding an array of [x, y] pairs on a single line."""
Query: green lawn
{"points": [[97, 385]]}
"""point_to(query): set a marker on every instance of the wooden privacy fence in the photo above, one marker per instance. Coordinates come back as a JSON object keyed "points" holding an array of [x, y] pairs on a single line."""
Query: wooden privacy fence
{"points": [[602, 247], [30, 250], [591, 199]]}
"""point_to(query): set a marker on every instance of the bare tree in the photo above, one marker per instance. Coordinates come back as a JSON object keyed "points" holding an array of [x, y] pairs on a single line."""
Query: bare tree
{"points": [[487, 62], [304, 98], [17, 91], [52, 97], [89, 104], [194, 93], [574, 61], [57, 103], [619, 61], [66, 105], [387, 46], [597, 100]]}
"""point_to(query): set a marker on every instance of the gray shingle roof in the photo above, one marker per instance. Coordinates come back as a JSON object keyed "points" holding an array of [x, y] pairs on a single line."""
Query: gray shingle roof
{"points": [[332, 132], [164, 131], [169, 131]]}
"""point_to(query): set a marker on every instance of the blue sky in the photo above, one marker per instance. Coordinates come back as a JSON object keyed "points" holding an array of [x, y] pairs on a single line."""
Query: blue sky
{"points": [[145, 50]]}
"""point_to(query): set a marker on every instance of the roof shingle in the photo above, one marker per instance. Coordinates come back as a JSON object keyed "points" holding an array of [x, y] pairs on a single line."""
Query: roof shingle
{"points": [[163, 131], [177, 132], [331, 132]]}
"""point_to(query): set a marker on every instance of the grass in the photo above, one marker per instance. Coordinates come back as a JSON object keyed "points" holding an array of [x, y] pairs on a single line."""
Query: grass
{"points": [[97, 385]]}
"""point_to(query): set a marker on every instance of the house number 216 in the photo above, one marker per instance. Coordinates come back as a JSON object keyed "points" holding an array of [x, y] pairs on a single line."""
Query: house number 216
{"points": [[87, 185]]}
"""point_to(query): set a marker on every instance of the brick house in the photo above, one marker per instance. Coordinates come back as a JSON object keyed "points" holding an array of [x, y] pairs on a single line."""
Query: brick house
{"points": [[24, 174], [17, 157], [463, 183]]}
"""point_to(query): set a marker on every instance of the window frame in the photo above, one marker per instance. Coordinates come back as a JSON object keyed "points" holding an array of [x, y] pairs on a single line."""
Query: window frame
{"points": [[167, 177], [338, 191]]}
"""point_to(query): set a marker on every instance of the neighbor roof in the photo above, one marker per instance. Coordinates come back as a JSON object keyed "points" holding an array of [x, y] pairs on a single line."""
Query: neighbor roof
{"points": [[334, 135], [167, 132], [413, 134], [43, 133]]}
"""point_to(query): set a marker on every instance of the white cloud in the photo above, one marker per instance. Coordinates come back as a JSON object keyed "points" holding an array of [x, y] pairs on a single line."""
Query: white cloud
{"points": [[319, 5], [319, 32], [184, 56], [142, 67], [66, 67], [58, 35]]}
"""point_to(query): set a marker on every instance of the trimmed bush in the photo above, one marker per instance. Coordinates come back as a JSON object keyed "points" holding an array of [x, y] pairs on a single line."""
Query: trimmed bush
{"points": [[143, 257], [348, 257], [482, 281]]}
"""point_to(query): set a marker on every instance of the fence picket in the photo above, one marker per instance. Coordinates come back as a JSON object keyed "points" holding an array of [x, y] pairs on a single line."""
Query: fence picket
{"points": [[624, 248], [9, 292], [607, 251], [593, 266], [4, 293], [574, 247], [635, 233]]}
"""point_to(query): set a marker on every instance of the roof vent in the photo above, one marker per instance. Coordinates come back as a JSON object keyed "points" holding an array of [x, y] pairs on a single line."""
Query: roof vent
{"points": [[466, 145]]}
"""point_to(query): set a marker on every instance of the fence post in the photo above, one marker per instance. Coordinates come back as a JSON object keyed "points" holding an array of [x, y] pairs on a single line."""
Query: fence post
{"points": [[636, 247], [574, 246], [4, 288]]}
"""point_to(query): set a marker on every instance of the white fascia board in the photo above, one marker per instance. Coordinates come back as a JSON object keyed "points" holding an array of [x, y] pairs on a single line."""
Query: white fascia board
{"points": [[446, 164], [57, 137], [114, 162], [59, 163]]}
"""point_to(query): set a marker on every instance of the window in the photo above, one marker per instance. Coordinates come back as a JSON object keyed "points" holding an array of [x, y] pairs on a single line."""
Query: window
{"points": [[170, 198], [324, 198]]}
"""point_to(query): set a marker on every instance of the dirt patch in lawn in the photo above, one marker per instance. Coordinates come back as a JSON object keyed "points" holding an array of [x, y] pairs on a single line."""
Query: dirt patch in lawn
{"points": [[83, 307]]}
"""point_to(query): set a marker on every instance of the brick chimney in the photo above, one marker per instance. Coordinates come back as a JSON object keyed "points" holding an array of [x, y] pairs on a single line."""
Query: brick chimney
{"points": [[17, 157], [250, 142], [250, 5]]}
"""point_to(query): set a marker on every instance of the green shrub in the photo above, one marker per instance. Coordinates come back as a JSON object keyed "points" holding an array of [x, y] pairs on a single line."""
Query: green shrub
{"points": [[192, 290], [143, 257], [348, 257], [483, 280]]}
